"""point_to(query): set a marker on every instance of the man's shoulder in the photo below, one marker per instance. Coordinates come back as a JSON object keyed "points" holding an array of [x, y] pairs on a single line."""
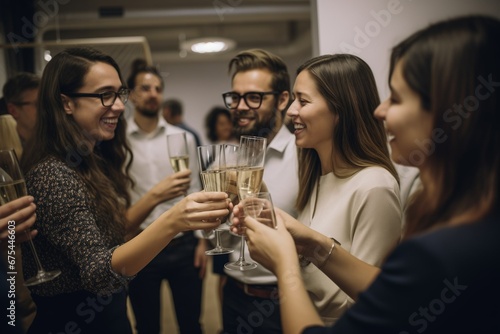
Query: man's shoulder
{"points": [[283, 141], [171, 129], [192, 131]]}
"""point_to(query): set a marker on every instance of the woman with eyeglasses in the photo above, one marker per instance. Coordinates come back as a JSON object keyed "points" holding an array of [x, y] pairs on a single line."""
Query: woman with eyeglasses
{"points": [[76, 171], [443, 277]]}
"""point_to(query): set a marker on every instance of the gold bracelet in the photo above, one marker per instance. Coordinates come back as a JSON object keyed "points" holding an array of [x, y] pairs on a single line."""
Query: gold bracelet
{"points": [[329, 253]]}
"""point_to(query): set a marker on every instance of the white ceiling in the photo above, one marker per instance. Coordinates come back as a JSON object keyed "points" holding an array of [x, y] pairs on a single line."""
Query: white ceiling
{"points": [[280, 26]]}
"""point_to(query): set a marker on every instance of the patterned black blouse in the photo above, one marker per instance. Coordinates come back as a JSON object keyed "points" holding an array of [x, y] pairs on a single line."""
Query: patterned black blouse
{"points": [[72, 235]]}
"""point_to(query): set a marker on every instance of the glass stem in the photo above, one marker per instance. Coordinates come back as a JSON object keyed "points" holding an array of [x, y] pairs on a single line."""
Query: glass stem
{"points": [[35, 254], [217, 239], [242, 249]]}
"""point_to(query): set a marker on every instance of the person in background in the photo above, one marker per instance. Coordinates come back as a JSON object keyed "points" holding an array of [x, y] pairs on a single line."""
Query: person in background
{"points": [[260, 93], [348, 184], [156, 189], [78, 177], [9, 139], [173, 113], [25, 307], [219, 126], [444, 275], [16, 128], [3, 107], [21, 97]]}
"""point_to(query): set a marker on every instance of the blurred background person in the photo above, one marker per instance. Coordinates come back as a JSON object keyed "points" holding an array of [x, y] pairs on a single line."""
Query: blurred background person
{"points": [[173, 113], [21, 97], [9, 139], [16, 128], [156, 189], [219, 126], [3, 107]]}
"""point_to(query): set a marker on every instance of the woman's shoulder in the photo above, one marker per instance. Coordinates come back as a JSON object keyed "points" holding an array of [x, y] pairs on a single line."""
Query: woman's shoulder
{"points": [[49, 169], [467, 248], [49, 163], [374, 177]]}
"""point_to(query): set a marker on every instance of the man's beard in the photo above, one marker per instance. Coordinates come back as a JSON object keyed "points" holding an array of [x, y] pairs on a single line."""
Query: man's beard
{"points": [[148, 112], [261, 127]]}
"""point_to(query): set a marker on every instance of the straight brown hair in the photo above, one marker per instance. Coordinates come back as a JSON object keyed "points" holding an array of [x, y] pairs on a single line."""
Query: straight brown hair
{"points": [[454, 66], [347, 84]]}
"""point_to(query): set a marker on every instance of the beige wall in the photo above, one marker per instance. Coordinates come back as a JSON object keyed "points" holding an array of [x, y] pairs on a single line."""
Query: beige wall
{"points": [[369, 28]]}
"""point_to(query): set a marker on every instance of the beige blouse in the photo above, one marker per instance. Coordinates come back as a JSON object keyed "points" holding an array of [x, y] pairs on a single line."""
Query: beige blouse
{"points": [[363, 213]]}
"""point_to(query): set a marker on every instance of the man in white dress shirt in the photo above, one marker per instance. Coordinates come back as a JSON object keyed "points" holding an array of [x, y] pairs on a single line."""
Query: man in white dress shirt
{"points": [[257, 101], [157, 188]]}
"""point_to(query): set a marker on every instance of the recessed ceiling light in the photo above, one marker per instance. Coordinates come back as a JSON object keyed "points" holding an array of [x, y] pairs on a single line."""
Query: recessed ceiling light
{"points": [[208, 45]]}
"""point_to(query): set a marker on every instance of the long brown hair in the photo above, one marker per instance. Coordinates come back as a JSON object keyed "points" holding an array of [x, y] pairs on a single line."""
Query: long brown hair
{"points": [[347, 84], [101, 167], [454, 67]]}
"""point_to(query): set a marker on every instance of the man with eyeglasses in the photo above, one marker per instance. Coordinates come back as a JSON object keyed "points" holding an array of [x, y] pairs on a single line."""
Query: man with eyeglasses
{"points": [[157, 188], [21, 96], [257, 101]]}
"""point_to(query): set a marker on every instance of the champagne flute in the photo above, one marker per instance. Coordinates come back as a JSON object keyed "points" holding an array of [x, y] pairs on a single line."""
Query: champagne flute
{"points": [[178, 151], [231, 167], [211, 159], [260, 206], [250, 166], [13, 186]]}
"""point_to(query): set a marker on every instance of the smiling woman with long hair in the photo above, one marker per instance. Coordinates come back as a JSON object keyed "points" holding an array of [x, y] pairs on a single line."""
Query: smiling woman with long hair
{"points": [[75, 169], [348, 185]]}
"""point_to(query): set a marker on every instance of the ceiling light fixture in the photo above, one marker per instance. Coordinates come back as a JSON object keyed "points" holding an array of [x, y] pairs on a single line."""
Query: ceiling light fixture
{"points": [[208, 45]]}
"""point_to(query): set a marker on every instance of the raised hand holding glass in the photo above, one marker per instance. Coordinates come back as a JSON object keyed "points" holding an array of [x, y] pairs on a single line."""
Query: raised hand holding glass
{"points": [[13, 186], [178, 151]]}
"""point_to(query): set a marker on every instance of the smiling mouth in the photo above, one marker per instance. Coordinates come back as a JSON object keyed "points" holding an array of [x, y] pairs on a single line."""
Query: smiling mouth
{"points": [[245, 117], [111, 121], [298, 126]]}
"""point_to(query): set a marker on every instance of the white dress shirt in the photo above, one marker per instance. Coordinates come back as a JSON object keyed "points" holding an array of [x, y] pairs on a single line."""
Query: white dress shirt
{"points": [[151, 163]]}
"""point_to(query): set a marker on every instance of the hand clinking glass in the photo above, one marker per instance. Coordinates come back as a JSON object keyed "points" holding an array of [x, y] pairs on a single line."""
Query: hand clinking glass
{"points": [[13, 186]]}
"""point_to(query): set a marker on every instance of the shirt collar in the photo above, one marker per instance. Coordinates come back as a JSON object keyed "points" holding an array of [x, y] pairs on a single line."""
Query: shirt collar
{"points": [[133, 128], [281, 140]]}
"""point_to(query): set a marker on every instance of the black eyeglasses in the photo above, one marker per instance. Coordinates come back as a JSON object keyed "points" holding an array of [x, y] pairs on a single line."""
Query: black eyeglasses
{"points": [[107, 98], [252, 99]]}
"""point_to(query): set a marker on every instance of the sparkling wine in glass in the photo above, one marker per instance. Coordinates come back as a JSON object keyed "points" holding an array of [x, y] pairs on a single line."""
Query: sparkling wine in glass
{"points": [[13, 186], [178, 151], [260, 206], [250, 167], [211, 159], [231, 167]]}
